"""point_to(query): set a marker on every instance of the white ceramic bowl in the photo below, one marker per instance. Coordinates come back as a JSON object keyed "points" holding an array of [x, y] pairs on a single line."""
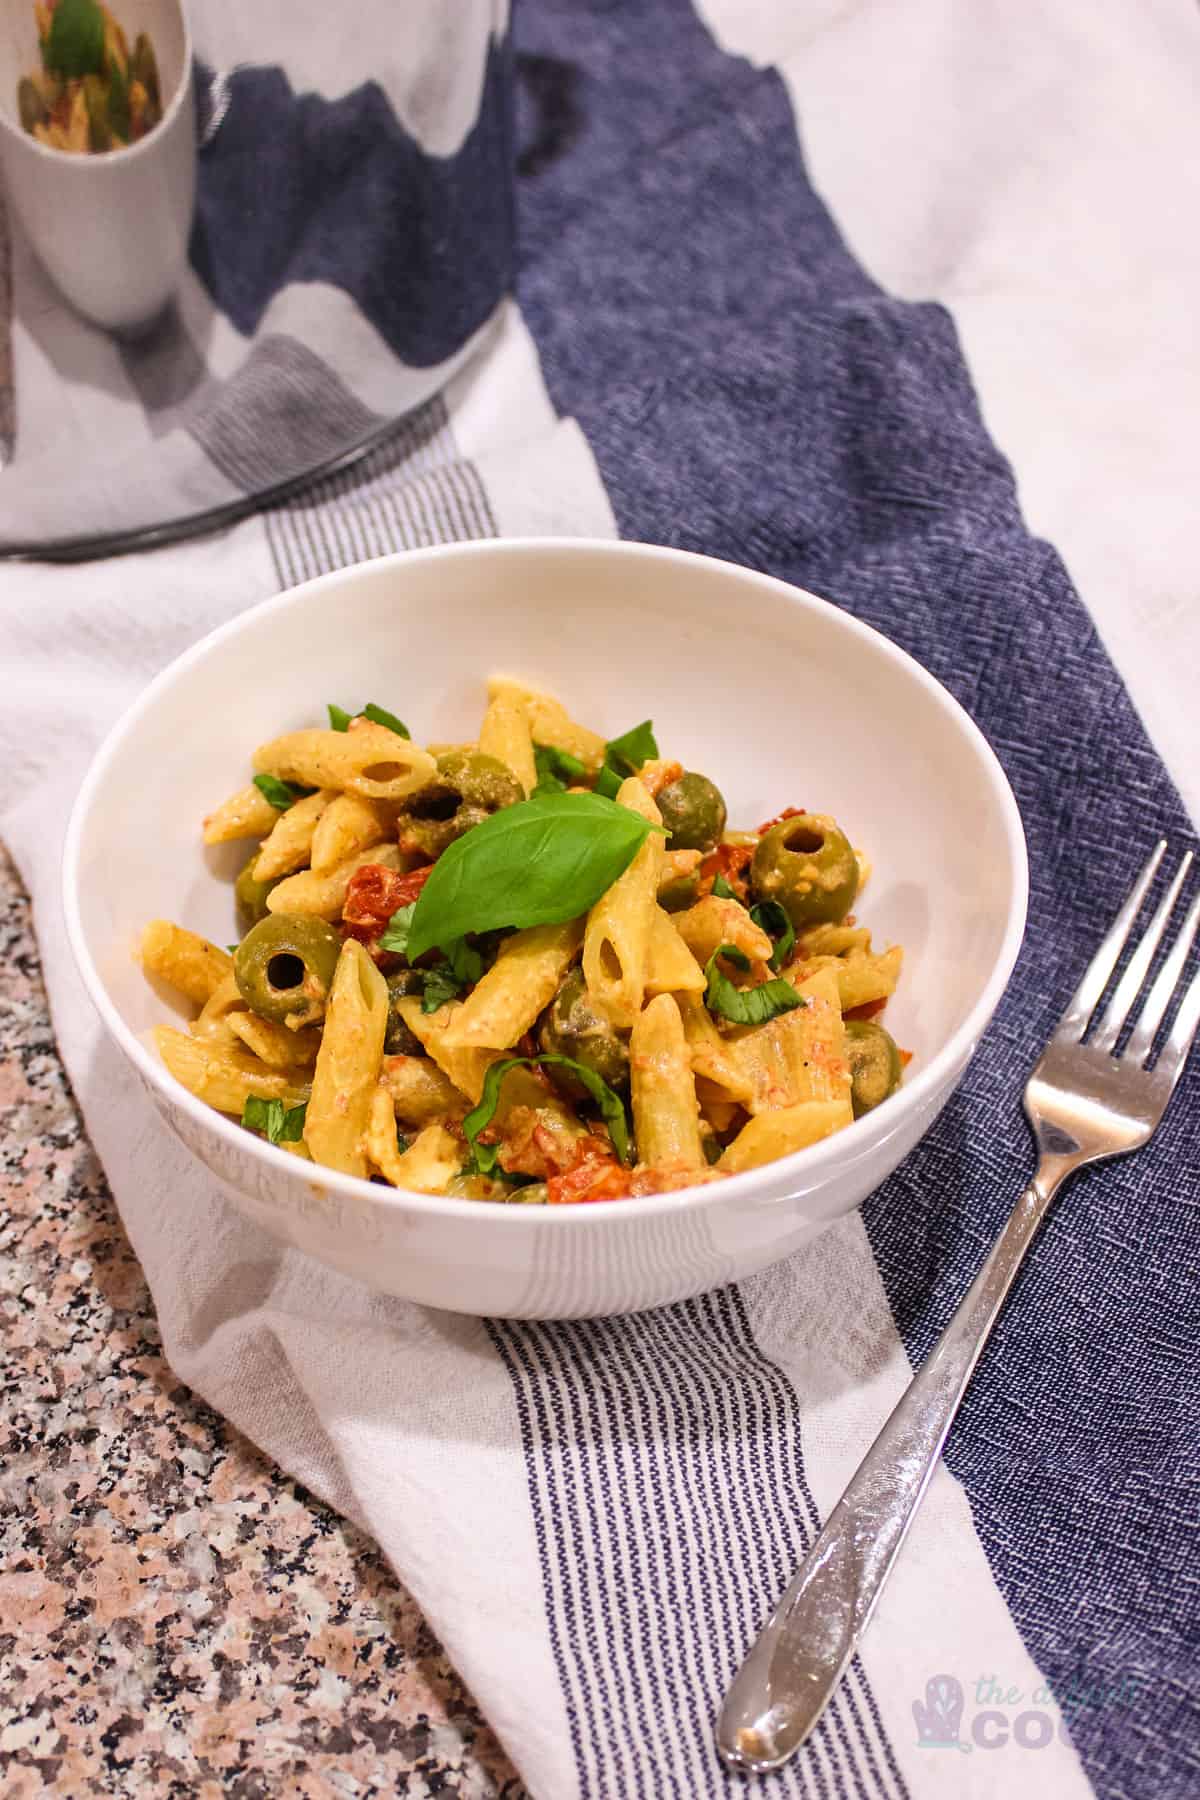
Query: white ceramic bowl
{"points": [[778, 696], [111, 230]]}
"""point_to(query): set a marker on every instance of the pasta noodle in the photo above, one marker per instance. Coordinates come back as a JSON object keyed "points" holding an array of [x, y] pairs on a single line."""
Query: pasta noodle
{"points": [[347, 1063], [598, 944], [617, 939]]}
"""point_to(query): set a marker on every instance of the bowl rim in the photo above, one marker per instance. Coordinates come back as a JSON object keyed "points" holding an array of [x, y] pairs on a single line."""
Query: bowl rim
{"points": [[128, 152], [751, 1184]]}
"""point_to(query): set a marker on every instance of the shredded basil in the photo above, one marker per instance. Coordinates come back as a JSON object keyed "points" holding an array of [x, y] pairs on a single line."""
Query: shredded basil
{"points": [[610, 1105], [281, 794], [540, 862], [624, 756], [771, 918], [746, 1006], [556, 768], [379, 715], [395, 935], [278, 1123], [402, 1143], [339, 718], [721, 889], [447, 980]]}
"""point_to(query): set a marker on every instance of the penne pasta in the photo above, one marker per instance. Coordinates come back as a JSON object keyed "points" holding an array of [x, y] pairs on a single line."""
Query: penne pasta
{"points": [[348, 825], [183, 959], [290, 843], [770, 1135], [323, 896], [246, 814], [670, 966], [549, 720], [505, 734], [713, 1057], [348, 1062], [611, 981], [520, 983], [712, 922], [224, 1079], [421, 1093], [616, 940], [666, 1116], [799, 1055], [368, 759]]}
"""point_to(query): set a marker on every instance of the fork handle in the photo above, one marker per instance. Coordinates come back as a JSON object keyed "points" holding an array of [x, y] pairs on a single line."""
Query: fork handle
{"points": [[786, 1681]]}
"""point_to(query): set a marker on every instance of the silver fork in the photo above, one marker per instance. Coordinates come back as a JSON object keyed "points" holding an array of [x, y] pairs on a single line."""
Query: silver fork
{"points": [[1085, 1103]]}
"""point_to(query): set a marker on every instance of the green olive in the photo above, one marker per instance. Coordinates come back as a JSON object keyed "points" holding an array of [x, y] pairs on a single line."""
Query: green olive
{"points": [[284, 968], [143, 68], [678, 895], [30, 105], [572, 1026], [250, 896], [468, 787], [693, 811], [806, 863], [874, 1064], [400, 1039], [533, 1193], [95, 98]]}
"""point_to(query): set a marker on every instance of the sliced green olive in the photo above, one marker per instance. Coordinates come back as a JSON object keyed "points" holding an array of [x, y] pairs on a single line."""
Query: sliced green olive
{"points": [[284, 968], [807, 865], [399, 1038], [693, 811], [875, 1066], [250, 896], [143, 68], [30, 105], [678, 895], [468, 787], [572, 1026]]}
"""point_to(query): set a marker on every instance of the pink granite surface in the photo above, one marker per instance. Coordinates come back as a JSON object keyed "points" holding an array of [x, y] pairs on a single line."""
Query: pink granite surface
{"points": [[177, 1617]]}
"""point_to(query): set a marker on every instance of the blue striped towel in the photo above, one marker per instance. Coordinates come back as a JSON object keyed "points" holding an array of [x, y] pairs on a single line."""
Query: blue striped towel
{"points": [[597, 1516]]}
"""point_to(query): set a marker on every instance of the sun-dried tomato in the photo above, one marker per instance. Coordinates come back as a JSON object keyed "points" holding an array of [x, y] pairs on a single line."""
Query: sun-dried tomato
{"points": [[789, 812], [867, 1010], [596, 1175], [731, 861], [375, 893]]}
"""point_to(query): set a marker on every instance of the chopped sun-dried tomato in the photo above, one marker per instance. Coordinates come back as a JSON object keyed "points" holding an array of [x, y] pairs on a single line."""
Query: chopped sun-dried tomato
{"points": [[729, 860], [375, 893], [592, 1178], [789, 812], [867, 1010]]}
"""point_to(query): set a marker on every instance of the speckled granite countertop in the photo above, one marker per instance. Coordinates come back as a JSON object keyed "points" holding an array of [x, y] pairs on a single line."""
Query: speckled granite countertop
{"points": [[176, 1616]]}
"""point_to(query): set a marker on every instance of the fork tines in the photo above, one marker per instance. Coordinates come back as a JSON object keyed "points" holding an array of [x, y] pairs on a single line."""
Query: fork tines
{"points": [[1123, 1007]]}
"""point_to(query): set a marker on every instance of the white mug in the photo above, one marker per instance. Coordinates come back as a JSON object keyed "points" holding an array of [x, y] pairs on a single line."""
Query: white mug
{"points": [[110, 229]]}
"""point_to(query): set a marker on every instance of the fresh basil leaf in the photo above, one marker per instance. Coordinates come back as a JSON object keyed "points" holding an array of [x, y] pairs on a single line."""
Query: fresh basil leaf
{"points": [[75, 42], [441, 985], [610, 1106], [281, 794], [378, 715], [721, 889], [466, 962], [233, 949], [555, 768], [278, 1123], [539, 862], [339, 718], [627, 753], [772, 919], [395, 934], [624, 756], [746, 1006]]}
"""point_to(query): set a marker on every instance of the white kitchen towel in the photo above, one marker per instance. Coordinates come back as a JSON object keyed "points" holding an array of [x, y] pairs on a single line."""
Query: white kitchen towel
{"points": [[596, 1517]]}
